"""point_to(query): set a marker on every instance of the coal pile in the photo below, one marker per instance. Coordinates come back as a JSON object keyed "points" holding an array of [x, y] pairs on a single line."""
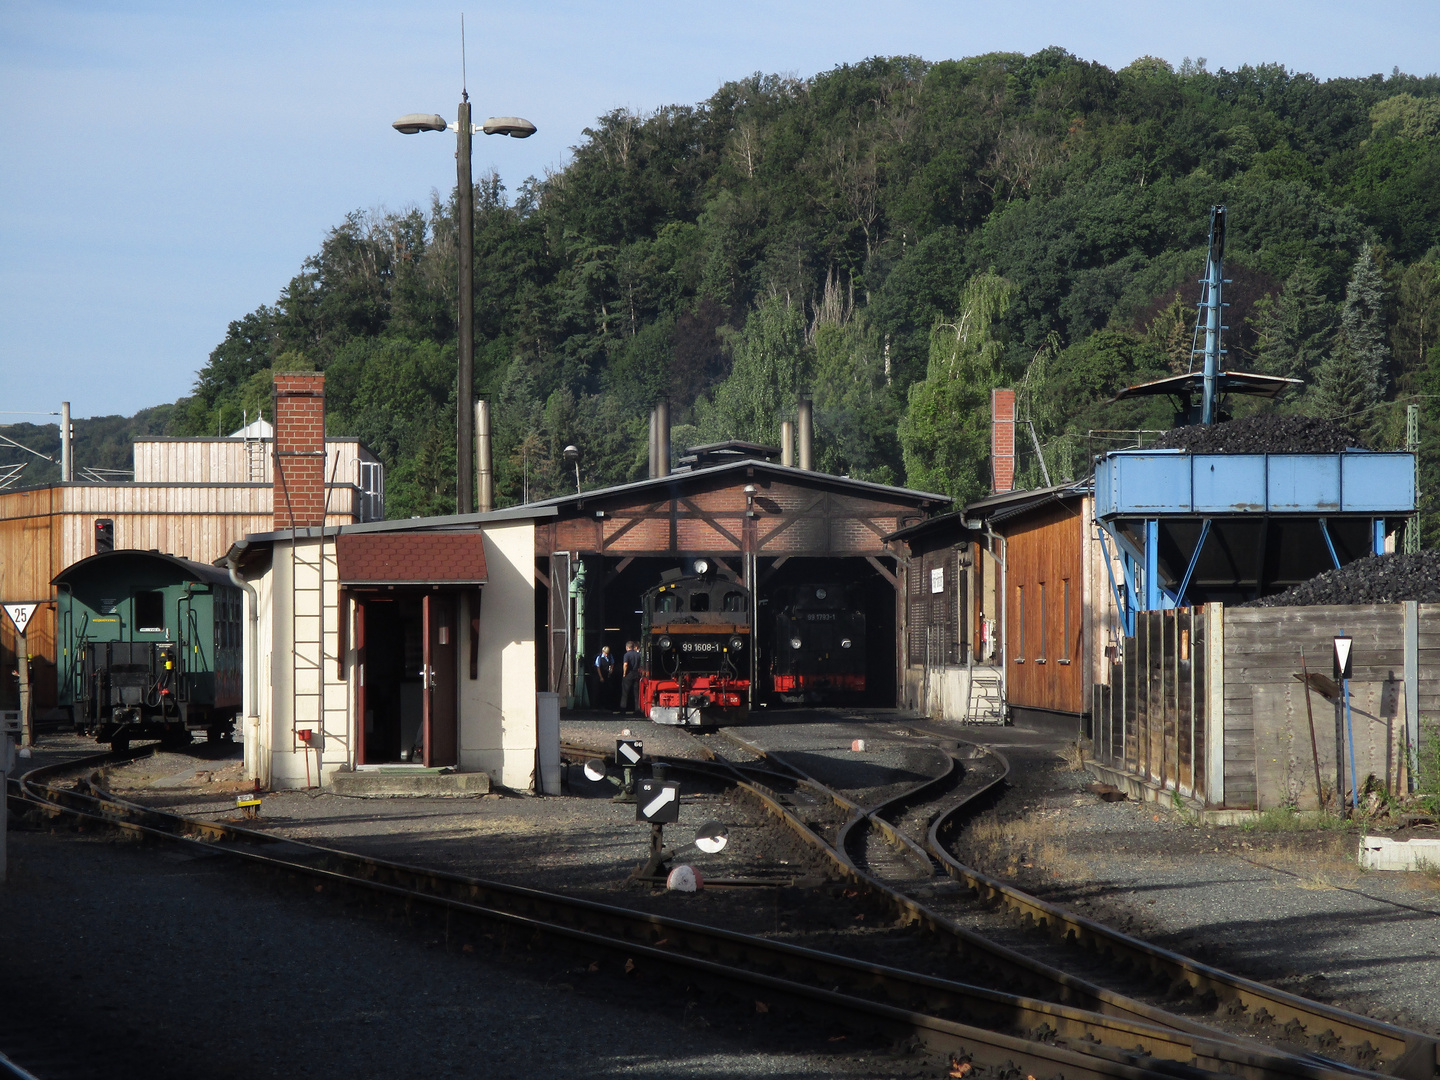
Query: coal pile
{"points": [[1262, 435], [1375, 579]]}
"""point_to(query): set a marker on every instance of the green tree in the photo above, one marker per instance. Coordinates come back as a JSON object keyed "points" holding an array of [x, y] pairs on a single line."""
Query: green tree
{"points": [[945, 432], [1417, 320], [772, 363], [1294, 330], [1352, 378]]}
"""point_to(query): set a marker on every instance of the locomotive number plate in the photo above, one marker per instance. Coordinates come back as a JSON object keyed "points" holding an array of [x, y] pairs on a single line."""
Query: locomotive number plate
{"points": [[700, 646]]}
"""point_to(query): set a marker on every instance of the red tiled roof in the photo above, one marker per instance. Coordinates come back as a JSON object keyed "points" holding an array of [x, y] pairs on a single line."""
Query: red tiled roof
{"points": [[411, 558]]}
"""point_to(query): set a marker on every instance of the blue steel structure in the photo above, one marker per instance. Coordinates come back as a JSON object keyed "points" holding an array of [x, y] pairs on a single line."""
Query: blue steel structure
{"points": [[1191, 528]]}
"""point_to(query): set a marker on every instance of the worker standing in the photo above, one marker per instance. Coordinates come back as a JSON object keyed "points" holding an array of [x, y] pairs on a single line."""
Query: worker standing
{"points": [[630, 678], [605, 678]]}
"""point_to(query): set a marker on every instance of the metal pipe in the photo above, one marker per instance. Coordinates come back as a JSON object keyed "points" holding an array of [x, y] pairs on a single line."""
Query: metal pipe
{"points": [[484, 453], [250, 661], [787, 442], [653, 456], [465, 378], [662, 438], [67, 453], [577, 593], [806, 421]]}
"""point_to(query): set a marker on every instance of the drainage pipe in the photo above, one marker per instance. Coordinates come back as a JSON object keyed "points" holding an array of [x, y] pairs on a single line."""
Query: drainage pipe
{"points": [[250, 663]]}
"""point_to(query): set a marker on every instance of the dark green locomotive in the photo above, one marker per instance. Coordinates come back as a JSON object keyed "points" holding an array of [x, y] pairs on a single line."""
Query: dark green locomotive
{"points": [[150, 647]]}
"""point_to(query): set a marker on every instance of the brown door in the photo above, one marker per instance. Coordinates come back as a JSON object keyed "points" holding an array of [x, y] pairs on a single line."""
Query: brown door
{"points": [[441, 714], [360, 700]]}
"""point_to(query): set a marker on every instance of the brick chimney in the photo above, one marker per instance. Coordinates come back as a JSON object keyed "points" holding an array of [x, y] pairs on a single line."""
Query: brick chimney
{"points": [[299, 450], [1002, 440]]}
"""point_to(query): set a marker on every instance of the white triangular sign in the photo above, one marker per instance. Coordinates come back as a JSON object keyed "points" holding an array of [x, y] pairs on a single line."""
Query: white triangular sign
{"points": [[20, 614], [1342, 653]]}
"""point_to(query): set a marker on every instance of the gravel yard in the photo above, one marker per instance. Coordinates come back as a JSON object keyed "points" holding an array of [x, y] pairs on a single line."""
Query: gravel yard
{"points": [[141, 926]]}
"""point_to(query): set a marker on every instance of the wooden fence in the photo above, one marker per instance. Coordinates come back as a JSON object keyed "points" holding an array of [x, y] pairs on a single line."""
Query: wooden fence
{"points": [[1208, 702]]}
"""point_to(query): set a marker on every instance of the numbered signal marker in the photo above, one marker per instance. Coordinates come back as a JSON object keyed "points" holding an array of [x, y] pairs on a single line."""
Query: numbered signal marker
{"points": [[657, 801], [20, 615], [628, 752]]}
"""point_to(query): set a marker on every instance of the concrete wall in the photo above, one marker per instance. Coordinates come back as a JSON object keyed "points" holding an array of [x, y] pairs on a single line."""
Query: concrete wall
{"points": [[943, 693], [497, 710]]}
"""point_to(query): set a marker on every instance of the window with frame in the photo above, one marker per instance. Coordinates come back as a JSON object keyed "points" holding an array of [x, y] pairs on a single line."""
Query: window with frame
{"points": [[1020, 623], [150, 612]]}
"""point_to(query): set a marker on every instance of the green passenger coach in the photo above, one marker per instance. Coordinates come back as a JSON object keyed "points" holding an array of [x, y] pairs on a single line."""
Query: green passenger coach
{"points": [[150, 647]]}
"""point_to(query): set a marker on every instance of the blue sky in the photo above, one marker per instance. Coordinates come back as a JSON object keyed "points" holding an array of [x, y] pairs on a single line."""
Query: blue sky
{"points": [[166, 167]]}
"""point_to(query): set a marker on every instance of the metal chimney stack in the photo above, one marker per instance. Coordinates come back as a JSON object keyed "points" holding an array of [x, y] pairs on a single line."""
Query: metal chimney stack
{"points": [[484, 454], [787, 442], [662, 438], [806, 433]]}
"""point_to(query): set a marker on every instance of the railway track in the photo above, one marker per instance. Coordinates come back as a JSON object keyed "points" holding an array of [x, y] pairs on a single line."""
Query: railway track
{"points": [[995, 1032], [898, 846]]}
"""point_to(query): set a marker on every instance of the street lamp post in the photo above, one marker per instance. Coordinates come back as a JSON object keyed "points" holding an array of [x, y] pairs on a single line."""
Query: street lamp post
{"points": [[517, 128]]}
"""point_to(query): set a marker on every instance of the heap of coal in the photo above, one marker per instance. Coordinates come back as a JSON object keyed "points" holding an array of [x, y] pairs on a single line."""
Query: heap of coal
{"points": [[1262, 435], [1375, 579]]}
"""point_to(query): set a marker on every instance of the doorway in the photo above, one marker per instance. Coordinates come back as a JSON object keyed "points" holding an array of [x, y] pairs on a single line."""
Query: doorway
{"points": [[408, 699]]}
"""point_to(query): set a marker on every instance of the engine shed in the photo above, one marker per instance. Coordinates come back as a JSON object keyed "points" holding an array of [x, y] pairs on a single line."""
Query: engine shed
{"points": [[780, 529]]}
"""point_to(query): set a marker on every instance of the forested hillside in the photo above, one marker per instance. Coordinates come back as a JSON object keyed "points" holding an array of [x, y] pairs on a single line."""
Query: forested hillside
{"points": [[897, 237]]}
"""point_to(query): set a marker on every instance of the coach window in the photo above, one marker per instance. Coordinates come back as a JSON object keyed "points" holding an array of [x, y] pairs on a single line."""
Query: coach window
{"points": [[150, 612], [1065, 641], [1020, 615]]}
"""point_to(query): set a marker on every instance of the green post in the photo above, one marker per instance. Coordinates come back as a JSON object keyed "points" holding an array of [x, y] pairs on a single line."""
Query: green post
{"points": [[577, 593]]}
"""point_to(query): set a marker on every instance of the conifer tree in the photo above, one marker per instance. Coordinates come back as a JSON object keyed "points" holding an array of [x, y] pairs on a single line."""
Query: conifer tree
{"points": [[1352, 378], [1295, 328]]}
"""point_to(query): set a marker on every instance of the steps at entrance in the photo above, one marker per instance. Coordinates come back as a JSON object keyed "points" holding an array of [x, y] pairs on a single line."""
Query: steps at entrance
{"points": [[409, 780]]}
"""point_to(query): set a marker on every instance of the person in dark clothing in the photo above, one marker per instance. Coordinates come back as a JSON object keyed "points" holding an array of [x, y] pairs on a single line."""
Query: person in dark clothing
{"points": [[630, 678], [604, 679]]}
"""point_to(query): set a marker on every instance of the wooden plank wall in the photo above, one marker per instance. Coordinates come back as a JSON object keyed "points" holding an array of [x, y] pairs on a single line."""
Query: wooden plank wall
{"points": [[44, 530], [227, 461], [1043, 554], [1150, 718], [1269, 761]]}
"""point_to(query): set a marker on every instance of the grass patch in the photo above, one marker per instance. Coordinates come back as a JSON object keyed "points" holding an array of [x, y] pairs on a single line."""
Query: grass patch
{"points": [[1288, 819]]}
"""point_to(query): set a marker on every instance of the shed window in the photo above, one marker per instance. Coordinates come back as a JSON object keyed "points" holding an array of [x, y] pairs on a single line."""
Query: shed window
{"points": [[1065, 641], [1020, 613], [1044, 625], [150, 612]]}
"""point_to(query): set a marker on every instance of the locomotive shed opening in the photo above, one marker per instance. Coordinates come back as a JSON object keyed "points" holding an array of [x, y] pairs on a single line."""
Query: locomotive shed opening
{"points": [[786, 533]]}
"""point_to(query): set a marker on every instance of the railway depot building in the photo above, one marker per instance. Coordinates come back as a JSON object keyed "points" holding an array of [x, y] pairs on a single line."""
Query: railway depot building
{"points": [[779, 528]]}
